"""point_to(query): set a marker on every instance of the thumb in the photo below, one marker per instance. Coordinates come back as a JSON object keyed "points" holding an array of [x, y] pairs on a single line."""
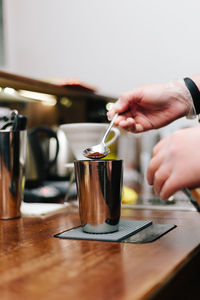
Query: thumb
{"points": [[125, 102], [118, 107]]}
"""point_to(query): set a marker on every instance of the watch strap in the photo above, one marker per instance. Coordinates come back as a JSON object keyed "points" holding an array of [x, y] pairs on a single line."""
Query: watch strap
{"points": [[195, 93]]}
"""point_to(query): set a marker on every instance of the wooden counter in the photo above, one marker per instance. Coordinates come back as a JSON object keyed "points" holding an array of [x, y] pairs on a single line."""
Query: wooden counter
{"points": [[35, 265]]}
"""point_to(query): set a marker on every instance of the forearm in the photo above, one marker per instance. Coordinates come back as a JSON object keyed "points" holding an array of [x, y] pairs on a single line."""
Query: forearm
{"points": [[153, 106]]}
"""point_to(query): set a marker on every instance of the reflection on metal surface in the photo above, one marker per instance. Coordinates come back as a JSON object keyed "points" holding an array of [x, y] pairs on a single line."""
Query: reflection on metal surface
{"points": [[12, 172]]}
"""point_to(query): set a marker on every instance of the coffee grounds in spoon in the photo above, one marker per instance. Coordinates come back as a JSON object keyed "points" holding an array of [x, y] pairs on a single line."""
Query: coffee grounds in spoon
{"points": [[95, 155]]}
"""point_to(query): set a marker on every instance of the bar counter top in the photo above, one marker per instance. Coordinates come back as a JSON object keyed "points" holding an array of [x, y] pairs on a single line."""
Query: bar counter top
{"points": [[36, 265]]}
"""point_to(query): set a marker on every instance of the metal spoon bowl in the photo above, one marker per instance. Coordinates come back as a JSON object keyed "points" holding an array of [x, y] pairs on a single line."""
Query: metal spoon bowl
{"points": [[101, 150]]}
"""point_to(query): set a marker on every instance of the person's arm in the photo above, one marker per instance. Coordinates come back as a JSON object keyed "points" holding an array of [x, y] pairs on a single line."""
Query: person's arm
{"points": [[153, 106], [175, 162]]}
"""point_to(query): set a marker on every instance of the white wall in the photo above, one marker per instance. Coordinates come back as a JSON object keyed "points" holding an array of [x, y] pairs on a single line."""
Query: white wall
{"points": [[114, 45]]}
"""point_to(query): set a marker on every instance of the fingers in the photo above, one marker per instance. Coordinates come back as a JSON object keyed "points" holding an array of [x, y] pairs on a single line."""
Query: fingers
{"points": [[125, 101], [161, 176], [125, 118], [159, 146], [159, 170], [126, 123], [168, 188], [156, 161], [118, 107], [154, 165], [129, 124]]}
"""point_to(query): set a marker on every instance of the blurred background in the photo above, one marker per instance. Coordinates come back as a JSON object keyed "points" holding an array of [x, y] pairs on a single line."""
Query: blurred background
{"points": [[107, 46], [113, 45]]}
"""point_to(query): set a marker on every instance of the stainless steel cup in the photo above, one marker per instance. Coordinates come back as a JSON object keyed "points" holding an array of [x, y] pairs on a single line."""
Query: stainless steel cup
{"points": [[99, 186], [12, 170]]}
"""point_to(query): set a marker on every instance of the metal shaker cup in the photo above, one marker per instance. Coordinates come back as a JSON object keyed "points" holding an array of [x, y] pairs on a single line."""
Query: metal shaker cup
{"points": [[99, 187], [12, 172]]}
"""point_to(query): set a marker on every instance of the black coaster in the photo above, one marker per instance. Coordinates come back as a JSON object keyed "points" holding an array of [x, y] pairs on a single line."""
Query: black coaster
{"points": [[149, 234]]}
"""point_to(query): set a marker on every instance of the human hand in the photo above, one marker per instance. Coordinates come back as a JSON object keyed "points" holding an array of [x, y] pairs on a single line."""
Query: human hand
{"points": [[175, 163], [151, 106]]}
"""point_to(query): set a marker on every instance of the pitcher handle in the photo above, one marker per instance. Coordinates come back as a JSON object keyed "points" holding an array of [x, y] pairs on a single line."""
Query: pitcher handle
{"points": [[50, 134]]}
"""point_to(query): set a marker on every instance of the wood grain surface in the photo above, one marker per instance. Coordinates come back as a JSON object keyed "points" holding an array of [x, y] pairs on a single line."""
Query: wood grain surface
{"points": [[35, 265]]}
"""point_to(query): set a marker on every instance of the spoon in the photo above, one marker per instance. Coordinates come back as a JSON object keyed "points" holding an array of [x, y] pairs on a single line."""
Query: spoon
{"points": [[101, 150]]}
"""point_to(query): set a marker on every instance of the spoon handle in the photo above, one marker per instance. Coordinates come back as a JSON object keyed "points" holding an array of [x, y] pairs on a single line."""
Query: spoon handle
{"points": [[108, 129]]}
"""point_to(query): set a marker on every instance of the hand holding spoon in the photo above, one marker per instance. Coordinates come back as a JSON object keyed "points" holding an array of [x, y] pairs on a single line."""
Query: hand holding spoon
{"points": [[101, 150]]}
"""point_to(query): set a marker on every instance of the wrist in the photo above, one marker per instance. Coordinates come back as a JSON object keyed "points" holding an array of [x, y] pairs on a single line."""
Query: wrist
{"points": [[183, 95]]}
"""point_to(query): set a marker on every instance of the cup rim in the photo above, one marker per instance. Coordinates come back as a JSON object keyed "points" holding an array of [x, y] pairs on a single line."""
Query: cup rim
{"points": [[83, 124], [97, 160]]}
